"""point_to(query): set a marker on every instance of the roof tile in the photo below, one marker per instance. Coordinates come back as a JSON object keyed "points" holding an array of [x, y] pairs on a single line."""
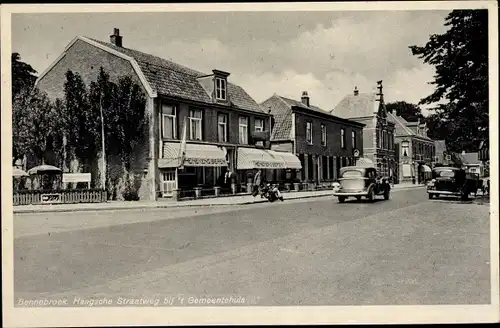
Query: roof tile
{"points": [[351, 106], [171, 79]]}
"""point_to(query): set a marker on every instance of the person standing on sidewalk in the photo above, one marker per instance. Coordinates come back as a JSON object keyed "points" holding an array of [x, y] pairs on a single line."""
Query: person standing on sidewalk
{"points": [[257, 180]]}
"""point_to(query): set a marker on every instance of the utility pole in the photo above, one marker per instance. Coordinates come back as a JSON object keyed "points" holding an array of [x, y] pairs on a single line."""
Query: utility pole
{"points": [[103, 145]]}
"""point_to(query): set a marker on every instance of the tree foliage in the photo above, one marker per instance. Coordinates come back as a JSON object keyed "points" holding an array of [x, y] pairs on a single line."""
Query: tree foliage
{"points": [[23, 75], [408, 111], [460, 57], [80, 120], [36, 125], [123, 105]]}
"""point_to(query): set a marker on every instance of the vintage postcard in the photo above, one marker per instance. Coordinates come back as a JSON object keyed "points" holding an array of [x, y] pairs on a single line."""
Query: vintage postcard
{"points": [[250, 163]]}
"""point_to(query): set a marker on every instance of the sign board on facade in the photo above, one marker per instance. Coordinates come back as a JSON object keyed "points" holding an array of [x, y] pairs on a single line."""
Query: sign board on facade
{"points": [[355, 152], [191, 161], [448, 157], [269, 165], [76, 177]]}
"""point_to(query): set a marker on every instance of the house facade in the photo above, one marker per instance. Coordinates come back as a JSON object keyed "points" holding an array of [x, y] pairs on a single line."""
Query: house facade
{"points": [[224, 129], [441, 155], [323, 142], [378, 133], [472, 163], [416, 151]]}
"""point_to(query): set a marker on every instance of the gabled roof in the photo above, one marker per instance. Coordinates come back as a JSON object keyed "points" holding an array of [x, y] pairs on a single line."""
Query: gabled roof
{"points": [[401, 125], [282, 115], [167, 78], [440, 146], [356, 106], [281, 109], [470, 158]]}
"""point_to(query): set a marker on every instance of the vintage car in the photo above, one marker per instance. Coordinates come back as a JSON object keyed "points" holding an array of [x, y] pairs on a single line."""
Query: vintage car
{"points": [[361, 181], [452, 181]]}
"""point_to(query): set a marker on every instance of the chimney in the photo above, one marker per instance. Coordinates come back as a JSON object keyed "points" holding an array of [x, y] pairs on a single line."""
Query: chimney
{"points": [[115, 38], [356, 91], [305, 98]]}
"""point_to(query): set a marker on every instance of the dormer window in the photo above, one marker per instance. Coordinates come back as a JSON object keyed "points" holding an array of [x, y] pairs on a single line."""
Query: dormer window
{"points": [[220, 88]]}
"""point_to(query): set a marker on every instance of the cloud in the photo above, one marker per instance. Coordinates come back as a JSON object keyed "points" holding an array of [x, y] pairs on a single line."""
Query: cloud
{"points": [[282, 52]]}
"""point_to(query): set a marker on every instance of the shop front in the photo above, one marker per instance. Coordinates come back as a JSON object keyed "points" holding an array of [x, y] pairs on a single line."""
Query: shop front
{"points": [[273, 165], [201, 167]]}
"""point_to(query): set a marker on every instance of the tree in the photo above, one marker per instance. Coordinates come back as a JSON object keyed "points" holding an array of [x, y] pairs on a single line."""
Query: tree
{"points": [[36, 124], [23, 75], [409, 112], [460, 57], [81, 121], [123, 104]]}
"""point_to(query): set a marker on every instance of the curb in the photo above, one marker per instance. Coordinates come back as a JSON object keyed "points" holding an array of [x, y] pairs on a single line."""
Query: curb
{"points": [[175, 205]]}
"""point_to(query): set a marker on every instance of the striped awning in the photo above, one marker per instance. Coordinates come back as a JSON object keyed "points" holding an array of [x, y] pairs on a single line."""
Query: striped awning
{"points": [[253, 158], [196, 155], [363, 161], [426, 168], [291, 160]]}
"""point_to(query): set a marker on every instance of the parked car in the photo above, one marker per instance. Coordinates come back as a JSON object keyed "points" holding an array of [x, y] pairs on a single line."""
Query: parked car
{"points": [[452, 181], [361, 181]]}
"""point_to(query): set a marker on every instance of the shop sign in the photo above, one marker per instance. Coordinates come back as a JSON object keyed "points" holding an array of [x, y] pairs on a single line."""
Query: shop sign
{"points": [[190, 161], [269, 165], [355, 152], [76, 177]]}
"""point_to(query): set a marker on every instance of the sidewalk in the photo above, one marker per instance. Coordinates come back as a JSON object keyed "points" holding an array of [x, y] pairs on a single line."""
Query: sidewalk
{"points": [[166, 203]]}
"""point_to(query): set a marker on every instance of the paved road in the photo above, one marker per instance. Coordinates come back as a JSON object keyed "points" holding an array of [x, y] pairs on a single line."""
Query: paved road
{"points": [[409, 250]]}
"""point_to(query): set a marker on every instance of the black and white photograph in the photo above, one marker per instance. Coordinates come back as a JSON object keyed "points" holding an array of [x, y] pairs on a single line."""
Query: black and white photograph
{"points": [[265, 163]]}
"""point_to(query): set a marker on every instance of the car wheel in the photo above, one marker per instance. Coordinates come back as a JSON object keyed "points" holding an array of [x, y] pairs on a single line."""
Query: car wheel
{"points": [[464, 195], [370, 196], [387, 194], [358, 198], [341, 199], [431, 196]]}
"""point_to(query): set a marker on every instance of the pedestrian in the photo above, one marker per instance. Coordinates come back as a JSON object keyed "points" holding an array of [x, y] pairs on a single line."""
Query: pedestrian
{"points": [[256, 183]]}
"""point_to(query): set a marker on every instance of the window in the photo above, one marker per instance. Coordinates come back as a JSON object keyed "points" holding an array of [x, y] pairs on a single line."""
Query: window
{"points": [[243, 130], [309, 134], [405, 148], [379, 136], [323, 135], [353, 139], [259, 125], [169, 121], [222, 127], [342, 138], [195, 119], [353, 173], [220, 89]]}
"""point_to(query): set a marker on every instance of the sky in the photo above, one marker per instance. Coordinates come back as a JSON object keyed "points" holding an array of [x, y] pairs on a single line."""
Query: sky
{"points": [[326, 53]]}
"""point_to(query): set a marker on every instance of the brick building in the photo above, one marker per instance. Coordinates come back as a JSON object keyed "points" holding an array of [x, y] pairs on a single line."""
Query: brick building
{"points": [[225, 128], [323, 142], [417, 152], [378, 133]]}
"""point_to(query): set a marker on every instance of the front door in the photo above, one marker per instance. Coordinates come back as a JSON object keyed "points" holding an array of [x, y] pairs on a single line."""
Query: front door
{"points": [[168, 183]]}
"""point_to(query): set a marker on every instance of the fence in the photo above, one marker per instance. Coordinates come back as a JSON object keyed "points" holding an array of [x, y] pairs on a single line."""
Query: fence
{"points": [[35, 197]]}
